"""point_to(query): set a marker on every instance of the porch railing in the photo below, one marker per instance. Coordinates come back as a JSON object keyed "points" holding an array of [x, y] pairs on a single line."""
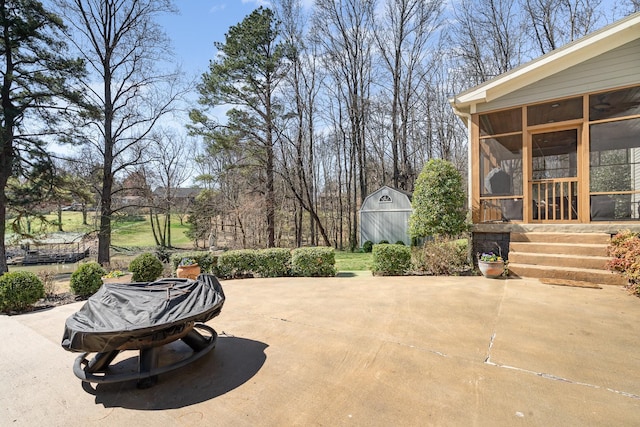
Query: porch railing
{"points": [[555, 199]]}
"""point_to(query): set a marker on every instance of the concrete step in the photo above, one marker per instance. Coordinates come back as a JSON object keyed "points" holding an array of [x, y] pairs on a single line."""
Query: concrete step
{"points": [[585, 249], [602, 277], [559, 260], [575, 238]]}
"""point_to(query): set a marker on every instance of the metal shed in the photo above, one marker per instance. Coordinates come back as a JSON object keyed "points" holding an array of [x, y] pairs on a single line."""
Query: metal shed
{"points": [[384, 215]]}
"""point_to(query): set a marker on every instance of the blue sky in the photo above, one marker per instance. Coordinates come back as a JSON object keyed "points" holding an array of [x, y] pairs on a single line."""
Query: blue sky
{"points": [[199, 24]]}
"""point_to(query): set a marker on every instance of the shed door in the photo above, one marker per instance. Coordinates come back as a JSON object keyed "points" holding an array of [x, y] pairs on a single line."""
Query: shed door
{"points": [[554, 175]]}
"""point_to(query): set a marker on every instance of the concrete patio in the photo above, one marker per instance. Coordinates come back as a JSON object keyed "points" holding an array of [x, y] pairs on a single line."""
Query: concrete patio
{"points": [[359, 350]]}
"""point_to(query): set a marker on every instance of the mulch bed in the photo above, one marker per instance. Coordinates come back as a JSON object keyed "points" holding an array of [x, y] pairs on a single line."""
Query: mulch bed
{"points": [[50, 301]]}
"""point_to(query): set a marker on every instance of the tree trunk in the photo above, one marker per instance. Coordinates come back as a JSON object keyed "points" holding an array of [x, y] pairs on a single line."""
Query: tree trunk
{"points": [[3, 218], [104, 232], [60, 218]]}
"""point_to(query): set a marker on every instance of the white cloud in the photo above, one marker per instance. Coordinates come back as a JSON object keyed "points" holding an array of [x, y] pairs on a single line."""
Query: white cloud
{"points": [[258, 3], [218, 8]]}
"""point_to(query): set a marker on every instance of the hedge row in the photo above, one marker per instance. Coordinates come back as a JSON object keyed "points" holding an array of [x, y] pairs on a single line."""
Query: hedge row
{"points": [[277, 262]]}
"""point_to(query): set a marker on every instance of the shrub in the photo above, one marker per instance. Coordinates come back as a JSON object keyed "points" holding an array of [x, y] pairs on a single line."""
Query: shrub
{"points": [[383, 242], [273, 262], [313, 262], [145, 268], [400, 242], [391, 260], [367, 246], [440, 257], [438, 201], [237, 263], [87, 279], [205, 259], [19, 289], [625, 250]]}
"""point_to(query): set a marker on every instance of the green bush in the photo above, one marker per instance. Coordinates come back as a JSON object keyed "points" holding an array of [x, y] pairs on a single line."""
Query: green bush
{"points": [[438, 201], [400, 242], [273, 262], [441, 257], [87, 279], [237, 263], [367, 246], [145, 268], [205, 259], [391, 260], [313, 262], [625, 252], [19, 290], [383, 242]]}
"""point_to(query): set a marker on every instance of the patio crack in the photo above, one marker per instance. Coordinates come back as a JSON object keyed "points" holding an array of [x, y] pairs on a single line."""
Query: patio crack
{"points": [[545, 375], [561, 379]]}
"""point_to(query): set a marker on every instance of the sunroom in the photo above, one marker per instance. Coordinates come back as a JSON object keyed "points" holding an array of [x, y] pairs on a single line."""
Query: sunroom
{"points": [[557, 140], [554, 145]]}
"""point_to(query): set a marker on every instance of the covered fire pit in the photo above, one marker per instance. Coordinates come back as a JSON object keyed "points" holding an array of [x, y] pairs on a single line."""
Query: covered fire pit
{"points": [[143, 317]]}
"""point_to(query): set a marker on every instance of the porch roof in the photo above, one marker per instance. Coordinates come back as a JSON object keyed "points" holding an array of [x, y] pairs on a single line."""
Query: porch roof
{"points": [[576, 52]]}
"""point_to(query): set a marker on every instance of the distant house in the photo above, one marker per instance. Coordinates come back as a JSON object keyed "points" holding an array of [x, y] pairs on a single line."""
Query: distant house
{"points": [[384, 215], [179, 196]]}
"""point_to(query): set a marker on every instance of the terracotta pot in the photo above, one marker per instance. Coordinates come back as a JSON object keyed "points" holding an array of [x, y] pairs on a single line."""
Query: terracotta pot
{"points": [[188, 271], [491, 269]]}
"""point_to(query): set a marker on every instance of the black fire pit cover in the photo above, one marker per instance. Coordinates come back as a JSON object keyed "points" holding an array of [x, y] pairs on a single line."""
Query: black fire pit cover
{"points": [[122, 314]]}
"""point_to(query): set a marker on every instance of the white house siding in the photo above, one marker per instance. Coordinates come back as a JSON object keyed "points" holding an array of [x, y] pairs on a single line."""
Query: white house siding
{"points": [[618, 67]]}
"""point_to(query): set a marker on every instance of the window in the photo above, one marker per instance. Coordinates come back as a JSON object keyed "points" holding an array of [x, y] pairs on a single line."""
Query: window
{"points": [[385, 198]]}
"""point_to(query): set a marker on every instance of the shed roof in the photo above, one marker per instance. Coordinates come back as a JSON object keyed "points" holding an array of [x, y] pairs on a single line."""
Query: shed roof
{"points": [[372, 201], [576, 52]]}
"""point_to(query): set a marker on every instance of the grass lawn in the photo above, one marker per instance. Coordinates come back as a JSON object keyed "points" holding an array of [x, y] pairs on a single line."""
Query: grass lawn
{"points": [[125, 232], [353, 261]]}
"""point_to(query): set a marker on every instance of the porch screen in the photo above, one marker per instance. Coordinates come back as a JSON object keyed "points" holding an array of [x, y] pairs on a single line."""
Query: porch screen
{"points": [[614, 170], [614, 155], [501, 166]]}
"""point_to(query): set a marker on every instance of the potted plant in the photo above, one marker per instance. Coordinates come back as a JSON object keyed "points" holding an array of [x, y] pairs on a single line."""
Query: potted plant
{"points": [[491, 265], [188, 268]]}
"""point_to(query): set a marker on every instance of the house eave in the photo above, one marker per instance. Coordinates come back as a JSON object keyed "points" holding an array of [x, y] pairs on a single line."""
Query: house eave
{"points": [[597, 43]]}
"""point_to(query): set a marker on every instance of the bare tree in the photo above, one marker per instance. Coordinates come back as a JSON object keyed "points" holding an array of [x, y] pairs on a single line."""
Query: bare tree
{"points": [[557, 22], [122, 45], [488, 37], [168, 168], [298, 147], [402, 34], [345, 31]]}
